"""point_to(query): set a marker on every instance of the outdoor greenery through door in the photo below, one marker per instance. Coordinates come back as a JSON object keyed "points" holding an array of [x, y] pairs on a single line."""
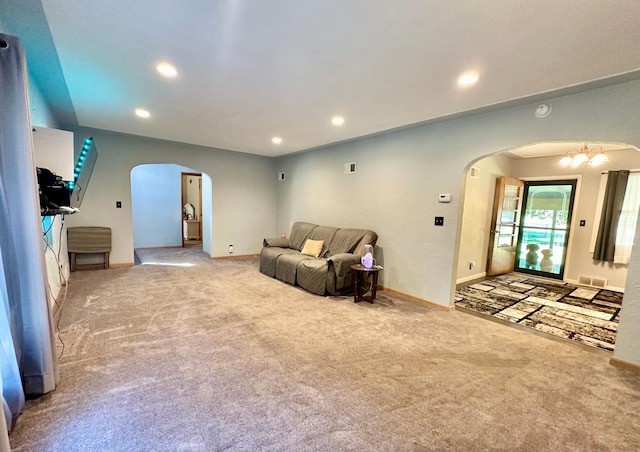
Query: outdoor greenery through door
{"points": [[544, 227]]}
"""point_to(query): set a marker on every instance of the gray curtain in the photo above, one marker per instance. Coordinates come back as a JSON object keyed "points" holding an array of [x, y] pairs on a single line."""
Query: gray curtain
{"points": [[611, 208], [10, 384], [25, 307]]}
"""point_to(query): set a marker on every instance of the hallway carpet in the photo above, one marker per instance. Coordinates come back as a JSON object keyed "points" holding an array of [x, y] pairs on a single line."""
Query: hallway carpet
{"points": [[183, 353]]}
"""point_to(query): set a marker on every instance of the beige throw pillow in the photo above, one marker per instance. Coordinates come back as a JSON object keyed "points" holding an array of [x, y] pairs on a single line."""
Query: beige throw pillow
{"points": [[312, 248]]}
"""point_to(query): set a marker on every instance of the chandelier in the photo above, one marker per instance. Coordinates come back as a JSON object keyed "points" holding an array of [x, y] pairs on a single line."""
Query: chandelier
{"points": [[584, 156]]}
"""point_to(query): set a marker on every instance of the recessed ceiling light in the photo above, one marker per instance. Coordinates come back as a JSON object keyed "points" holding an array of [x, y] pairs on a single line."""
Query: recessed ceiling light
{"points": [[167, 69], [337, 120], [468, 79], [142, 113], [276, 140]]}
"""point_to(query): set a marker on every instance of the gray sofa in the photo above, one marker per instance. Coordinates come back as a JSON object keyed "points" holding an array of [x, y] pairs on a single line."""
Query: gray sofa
{"points": [[330, 272]]}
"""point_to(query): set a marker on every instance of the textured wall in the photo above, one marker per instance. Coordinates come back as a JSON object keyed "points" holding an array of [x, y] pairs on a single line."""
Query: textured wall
{"points": [[156, 205], [476, 218], [628, 335], [41, 114], [206, 213], [400, 175], [243, 200]]}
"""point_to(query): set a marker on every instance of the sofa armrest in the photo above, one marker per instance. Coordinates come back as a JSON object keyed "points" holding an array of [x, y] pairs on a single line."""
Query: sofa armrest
{"points": [[276, 242], [343, 262]]}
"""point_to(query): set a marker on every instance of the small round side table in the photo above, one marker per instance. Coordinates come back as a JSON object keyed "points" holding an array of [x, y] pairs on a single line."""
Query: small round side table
{"points": [[362, 273]]}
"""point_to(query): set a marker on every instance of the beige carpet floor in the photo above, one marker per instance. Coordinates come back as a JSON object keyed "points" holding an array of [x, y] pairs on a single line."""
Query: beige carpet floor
{"points": [[187, 354]]}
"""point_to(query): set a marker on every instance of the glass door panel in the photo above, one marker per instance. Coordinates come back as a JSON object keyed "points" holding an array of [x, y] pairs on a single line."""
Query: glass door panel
{"points": [[544, 227], [504, 225], [510, 204], [508, 216]]}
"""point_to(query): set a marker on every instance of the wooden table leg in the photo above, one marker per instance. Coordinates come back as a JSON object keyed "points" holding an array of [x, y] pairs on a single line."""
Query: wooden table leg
{"points": [[375, 286]]}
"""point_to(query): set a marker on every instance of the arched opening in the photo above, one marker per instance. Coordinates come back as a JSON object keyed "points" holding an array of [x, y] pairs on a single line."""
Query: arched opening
{"points": [[158, 207], [590, 290]]}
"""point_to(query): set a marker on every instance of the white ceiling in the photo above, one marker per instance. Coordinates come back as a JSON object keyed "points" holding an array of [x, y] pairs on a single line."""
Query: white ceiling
{"points": [[564, 147], [250, 70]]}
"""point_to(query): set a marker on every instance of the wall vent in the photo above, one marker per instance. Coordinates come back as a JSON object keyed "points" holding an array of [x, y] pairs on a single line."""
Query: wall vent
{"points": [[350, 168], [592, 281], [474, 173]]}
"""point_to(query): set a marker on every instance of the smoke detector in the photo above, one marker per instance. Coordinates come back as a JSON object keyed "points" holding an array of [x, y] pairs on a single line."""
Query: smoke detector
{"points": [[543, 110]]}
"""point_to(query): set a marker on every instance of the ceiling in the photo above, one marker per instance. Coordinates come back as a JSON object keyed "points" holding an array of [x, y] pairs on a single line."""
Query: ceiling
{"points": [[252, 70], [551, 148]]}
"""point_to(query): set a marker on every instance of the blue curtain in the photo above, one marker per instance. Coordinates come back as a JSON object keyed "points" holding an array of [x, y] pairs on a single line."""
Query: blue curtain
{"points": [[26, 324]]}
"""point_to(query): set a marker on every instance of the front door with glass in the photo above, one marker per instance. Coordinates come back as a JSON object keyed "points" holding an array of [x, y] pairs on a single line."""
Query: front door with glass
{"points": [[504, 223], [544, 227]]}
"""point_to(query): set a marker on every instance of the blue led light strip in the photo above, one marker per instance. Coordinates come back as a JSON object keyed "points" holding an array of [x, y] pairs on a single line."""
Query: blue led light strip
{"points": [[83, 156]]}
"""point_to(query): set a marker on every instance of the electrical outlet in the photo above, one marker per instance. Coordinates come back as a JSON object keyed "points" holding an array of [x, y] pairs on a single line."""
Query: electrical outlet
{"points": [[583, 223], [439, 221], [471, 265], [230, 249]]}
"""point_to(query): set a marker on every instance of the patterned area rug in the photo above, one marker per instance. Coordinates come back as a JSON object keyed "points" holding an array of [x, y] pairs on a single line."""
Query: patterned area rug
{"points": [[583, 314]]}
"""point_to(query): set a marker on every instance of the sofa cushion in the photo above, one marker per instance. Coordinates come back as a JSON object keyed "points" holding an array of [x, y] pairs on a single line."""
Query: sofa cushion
{"points": [[277, 241], [325, 233], [369, 238], [268, 258], [286, 266], [345, 241], [299, 233], [342, 268], [312, 247], [312, 275]]}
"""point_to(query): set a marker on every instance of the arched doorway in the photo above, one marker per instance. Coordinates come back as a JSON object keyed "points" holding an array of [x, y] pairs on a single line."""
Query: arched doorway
{"points": [[157, 206], [531, 163]]}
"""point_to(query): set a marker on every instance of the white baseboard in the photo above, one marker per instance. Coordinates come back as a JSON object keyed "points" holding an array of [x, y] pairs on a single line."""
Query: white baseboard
{"points": [[471, 277], [615, 289], [612, 288]]}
